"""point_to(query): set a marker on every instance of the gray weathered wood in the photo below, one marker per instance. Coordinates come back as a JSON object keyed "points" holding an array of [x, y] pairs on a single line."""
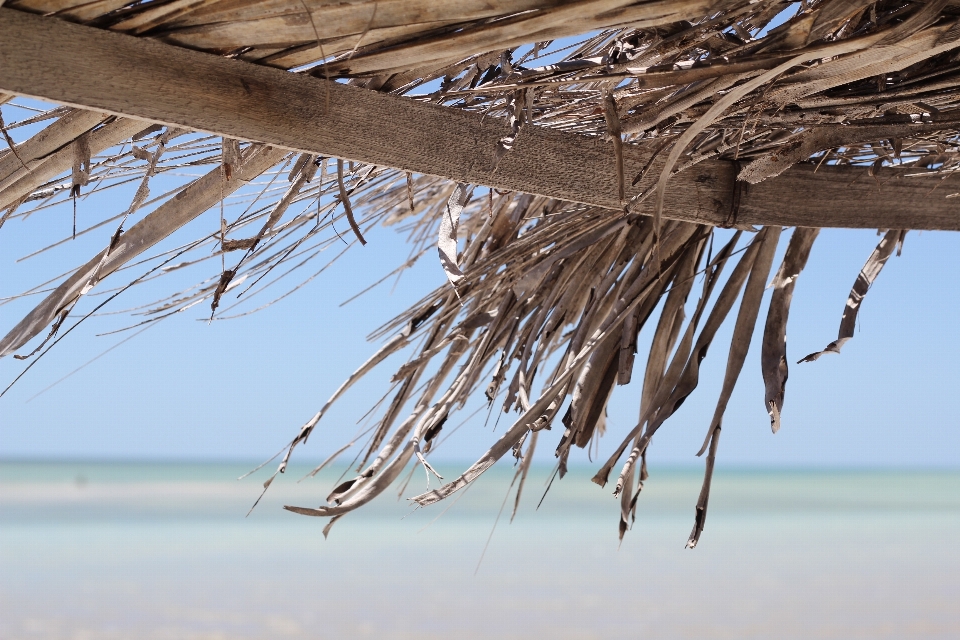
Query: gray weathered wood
{"points": [[849, 197], [144, 79]]}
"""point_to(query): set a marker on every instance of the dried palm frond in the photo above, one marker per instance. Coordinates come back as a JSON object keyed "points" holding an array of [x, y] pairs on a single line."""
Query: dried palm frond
{"points": [[545, 298]]}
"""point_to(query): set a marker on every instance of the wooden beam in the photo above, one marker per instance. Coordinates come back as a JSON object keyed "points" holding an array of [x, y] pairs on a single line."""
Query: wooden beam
{"points": [[140, 78], [849, 197]]}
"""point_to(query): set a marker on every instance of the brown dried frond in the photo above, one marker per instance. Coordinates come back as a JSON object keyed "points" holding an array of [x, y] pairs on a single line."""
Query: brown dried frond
{"points": [[545, 297]]}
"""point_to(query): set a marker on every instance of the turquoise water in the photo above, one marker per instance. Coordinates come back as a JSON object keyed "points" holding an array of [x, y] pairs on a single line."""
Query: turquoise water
{"points": [[164, 551]]}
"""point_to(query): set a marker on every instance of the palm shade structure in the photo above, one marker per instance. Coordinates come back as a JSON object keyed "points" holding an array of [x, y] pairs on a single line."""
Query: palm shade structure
{"points": [[583, 169]]}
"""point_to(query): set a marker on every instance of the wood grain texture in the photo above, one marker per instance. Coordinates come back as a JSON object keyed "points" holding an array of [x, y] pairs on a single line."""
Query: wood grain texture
{"points": [[145, 79], [153, 81], [849, 197]]}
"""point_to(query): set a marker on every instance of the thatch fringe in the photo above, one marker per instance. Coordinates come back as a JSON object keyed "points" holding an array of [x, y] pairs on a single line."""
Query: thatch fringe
{"points": [[545, 298]]}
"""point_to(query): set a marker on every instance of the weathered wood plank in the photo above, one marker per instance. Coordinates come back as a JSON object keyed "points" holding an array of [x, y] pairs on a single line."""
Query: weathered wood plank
{"points": [[153, 81], [849, 197], [145, 79]]}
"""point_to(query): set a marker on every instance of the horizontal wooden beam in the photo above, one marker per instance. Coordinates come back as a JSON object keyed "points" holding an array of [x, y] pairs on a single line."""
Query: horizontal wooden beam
{"points": [[140, 78], [847, 196]]}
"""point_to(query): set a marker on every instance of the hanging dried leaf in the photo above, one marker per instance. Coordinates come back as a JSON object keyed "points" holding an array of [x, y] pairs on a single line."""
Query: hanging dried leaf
{"points": [[865, 279], [549, 295], [773, 353], [746, 321], [447, 243]]}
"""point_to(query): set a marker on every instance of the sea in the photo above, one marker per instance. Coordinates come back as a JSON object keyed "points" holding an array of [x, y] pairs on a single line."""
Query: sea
{"points": [[104, 550]]}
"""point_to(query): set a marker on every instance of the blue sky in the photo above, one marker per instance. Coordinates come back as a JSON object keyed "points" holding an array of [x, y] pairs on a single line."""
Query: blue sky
{"points": [[239, 389]]}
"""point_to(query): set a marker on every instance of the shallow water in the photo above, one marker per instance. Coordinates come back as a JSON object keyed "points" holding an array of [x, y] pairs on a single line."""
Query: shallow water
{"points": [[164, 551]]}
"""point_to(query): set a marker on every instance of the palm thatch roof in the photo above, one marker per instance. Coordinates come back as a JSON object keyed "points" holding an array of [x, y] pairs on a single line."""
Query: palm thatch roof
{"points": [[570, 161]]}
